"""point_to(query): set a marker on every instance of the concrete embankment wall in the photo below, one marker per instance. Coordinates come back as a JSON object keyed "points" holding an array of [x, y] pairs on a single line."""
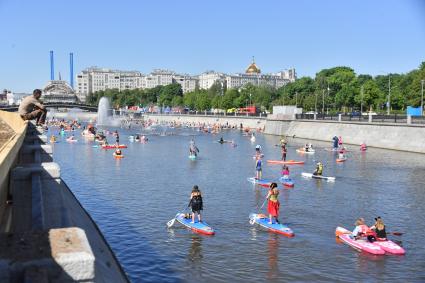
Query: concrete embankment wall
{"points": [[251, 122], [9, 153], [388, 136]]}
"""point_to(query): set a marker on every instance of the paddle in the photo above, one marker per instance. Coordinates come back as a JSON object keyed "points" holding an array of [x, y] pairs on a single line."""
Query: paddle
{"points": [[172, 221], [252, 221]]}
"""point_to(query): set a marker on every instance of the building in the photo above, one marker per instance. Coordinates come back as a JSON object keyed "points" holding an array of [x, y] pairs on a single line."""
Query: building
{"points": [[59, 91], [95, 79], [158, 77], [207, 79], [253, 76], [187, 82]]}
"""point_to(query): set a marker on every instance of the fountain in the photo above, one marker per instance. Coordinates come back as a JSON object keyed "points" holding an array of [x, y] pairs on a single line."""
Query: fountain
{"points": [[104, 114]]}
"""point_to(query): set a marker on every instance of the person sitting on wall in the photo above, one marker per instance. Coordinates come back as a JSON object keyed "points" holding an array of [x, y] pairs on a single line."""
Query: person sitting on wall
{"points": [[32, 108]]}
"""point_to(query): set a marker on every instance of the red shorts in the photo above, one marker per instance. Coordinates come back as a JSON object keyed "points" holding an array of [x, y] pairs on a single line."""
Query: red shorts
{"points": [[273, 208]]}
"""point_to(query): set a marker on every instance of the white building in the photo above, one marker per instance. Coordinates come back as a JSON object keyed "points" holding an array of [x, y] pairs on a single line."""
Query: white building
{"points": [[253, 76], [207, 79], [94, 79], [158, 77], [187, 82]]}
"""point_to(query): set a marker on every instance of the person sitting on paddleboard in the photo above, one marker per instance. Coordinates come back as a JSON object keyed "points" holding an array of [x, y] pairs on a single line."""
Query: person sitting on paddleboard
{"points": [[341, 154], [221, 140], [137, 138], [285, 172], [284, 152], [362, 230], [258, 169], [118, 152], [379, 229], [196, 203], [273, 203], [319, 169], [363, 147]]}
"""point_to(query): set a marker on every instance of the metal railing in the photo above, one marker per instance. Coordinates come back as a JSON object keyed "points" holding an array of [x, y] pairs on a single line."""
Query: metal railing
{"points": [[393, 118], [209, 113]]}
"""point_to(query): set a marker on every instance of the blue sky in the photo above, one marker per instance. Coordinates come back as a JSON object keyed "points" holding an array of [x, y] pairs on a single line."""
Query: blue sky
{"points": [[193, 36]]}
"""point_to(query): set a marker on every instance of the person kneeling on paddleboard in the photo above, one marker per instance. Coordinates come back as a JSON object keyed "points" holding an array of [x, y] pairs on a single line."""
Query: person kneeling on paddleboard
{"points": [[285, 172], [319, 169], [196, 203], [379, 229], [273, 203], [362, 230]]}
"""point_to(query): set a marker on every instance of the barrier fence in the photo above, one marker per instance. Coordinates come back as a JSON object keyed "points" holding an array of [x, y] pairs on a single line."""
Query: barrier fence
{"points": [[394, 118]]}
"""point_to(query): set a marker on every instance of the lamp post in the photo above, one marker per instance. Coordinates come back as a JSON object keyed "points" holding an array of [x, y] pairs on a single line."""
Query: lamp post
{"points": [[361, 101], [323, 101], [327, 108], [315, 104], [422, 97], [389, 95]]}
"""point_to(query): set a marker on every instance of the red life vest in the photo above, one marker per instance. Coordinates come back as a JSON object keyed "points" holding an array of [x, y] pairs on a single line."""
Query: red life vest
{"points": [[365, 230]]}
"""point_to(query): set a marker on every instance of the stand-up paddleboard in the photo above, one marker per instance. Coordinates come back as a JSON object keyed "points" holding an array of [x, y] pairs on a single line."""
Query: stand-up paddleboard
{"points": [[263, 221], [118, 156], [287, 182], [287, 162], [198, 227], [341, 159], [192, 156], [261, 182], [309, 175], [360, 245], [71, 141], [110, 146], [302, 150]]}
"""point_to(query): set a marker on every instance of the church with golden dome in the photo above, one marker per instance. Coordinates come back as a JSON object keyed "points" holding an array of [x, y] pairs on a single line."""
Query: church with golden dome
{"points": [[253, 68]]}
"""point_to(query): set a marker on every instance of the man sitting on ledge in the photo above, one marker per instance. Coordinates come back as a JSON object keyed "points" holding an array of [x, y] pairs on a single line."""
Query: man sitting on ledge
{"points": [[32, 108]]}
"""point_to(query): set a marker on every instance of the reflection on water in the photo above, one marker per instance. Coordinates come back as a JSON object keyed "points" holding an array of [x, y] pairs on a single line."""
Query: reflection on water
{"points": [[133, 198]]}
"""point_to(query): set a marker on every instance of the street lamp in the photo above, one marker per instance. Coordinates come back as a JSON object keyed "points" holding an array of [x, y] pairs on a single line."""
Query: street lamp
{"points": [[422, 97], [361, 101], [389, 95], [323, 101], [315, 104]]}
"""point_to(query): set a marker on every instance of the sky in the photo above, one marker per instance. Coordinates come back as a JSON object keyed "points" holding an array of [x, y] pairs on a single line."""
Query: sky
{"points": [[192, 36]]}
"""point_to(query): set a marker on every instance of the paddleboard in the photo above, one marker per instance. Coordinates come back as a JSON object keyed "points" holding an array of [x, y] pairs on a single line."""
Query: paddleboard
{"points": [[287, 182], [390, 247], [113, 146], [311, 151], [118, 156], [192, 157], [341, 159], [72, 141], [359, 245], [261, 182], [287, 162], [278, 228], [309, 175], [198, 227]]}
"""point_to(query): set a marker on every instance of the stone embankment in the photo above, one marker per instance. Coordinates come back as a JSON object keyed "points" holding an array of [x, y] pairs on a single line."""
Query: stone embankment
{"points": [[45, 234]]}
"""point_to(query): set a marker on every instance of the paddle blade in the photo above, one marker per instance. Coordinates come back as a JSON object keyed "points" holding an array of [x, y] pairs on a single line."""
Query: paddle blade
{"points": [[396, 233], [341, 231], [171, 223]]}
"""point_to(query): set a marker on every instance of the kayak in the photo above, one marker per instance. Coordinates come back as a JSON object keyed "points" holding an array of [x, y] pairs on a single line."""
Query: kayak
{"points": [[302, 150], [118, 156], [287, 182], [309, 175], [263, 221], [113, 146], [341, 159], [198, 227], [360, 245], [287, 162], [261, 182]]}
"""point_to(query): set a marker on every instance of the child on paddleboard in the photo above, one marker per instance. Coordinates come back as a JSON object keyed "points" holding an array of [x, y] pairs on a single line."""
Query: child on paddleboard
{"points": [[273, 203], [196, 203], [258, 168], [285, 172]]}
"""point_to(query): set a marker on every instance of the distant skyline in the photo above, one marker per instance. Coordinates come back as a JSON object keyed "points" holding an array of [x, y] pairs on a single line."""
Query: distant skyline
{"points": [[372, 37]]}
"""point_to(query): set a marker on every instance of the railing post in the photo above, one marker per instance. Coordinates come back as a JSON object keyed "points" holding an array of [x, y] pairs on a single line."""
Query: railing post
{"points": [[370, 117], [339, 117]]}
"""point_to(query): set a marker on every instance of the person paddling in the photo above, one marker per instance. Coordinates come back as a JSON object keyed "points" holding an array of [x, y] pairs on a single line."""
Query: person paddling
{"points": [[379, 229], [258, 168], [196, 203], [284, 152], [319, 169], [273, 203], [362, 230], [285, 172], [193, 150]]}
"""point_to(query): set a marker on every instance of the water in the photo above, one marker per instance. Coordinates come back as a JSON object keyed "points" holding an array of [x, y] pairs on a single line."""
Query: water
{"points": [[133, 198]]}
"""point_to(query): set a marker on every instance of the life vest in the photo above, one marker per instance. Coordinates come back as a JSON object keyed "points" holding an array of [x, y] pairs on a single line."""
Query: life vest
{"points": [[366, 231], [320, 169]]}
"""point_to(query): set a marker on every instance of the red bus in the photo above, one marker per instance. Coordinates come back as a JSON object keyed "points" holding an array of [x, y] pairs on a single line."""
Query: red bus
{"points": [[249, 110]]}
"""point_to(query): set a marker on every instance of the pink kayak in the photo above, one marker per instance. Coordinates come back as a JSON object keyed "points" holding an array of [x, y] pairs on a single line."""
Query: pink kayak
{"points": [[360, 245], [390, 247]]}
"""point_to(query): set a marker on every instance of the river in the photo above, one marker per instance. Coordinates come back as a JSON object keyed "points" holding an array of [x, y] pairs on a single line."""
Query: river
{"points": [[132, 199]]}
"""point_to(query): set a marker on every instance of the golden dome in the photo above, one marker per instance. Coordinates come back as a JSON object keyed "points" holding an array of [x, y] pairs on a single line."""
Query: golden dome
{"points": [[253, 69]]}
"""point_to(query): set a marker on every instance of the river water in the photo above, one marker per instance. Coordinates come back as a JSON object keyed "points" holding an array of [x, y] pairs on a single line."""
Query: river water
{"points": [[132, 199]]}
